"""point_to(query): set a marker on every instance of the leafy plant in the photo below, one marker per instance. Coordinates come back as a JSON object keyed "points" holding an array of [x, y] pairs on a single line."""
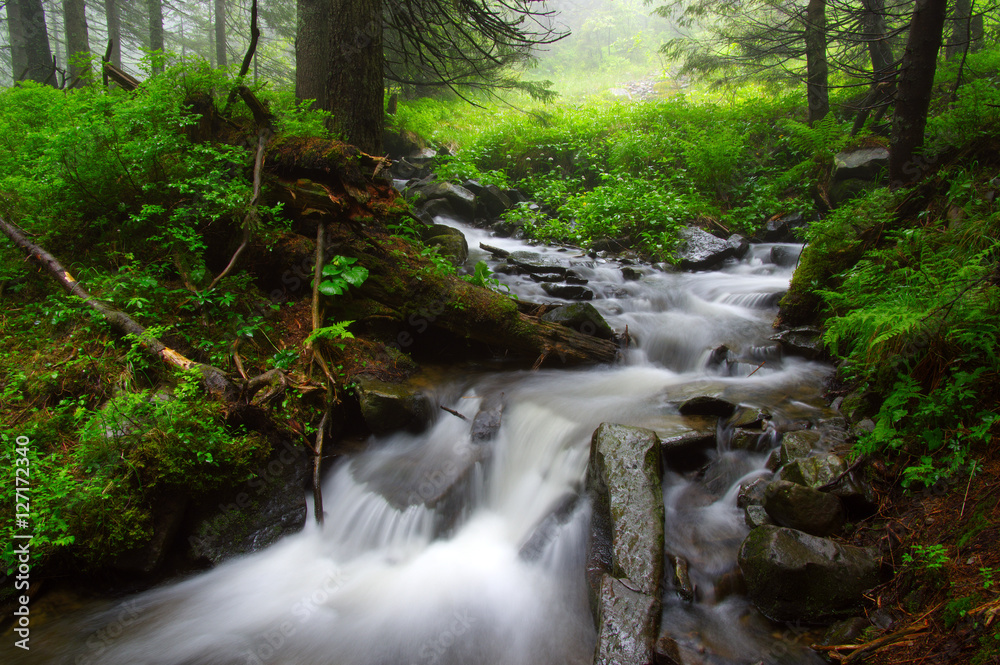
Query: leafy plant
{"points": [[334, 332], [340, 273], [927, 557]]}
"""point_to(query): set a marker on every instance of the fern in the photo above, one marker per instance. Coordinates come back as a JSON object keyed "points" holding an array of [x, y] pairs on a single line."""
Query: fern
{"points": [[821, 141]]}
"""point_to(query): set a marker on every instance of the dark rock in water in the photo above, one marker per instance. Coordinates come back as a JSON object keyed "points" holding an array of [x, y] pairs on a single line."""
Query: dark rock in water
{"points": [[627, 625], [681, 578], [249, 518], [745, 439], [804, 341], [434, 230], [536, 263], [572, 278], [473, 186], [494, 201], [462, 200], [719, 358], [814, 471], [435, 208], [507, 229], [631, 273], [803, 508], [568, 291], [749, 417], [546, 277], [706, 405], [797, 445], [752, 493], [784, 256], [701, 250], [792, 576], [755, 516], [667, 652], [548, 529], [454, 248], [685, 450], [624, 480], [582, 317], [730, 584], [487, 422], [739, 244], [779, 229], [724, 470], [860, 163], [390, 406]]}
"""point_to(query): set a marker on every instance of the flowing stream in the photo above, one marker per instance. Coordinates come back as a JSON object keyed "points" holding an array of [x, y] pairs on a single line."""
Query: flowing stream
{"points": [[494, 573]]}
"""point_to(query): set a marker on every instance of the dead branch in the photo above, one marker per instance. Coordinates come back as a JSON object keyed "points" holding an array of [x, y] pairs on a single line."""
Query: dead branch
{"points": [[318, 463], [453, 412], [247, 58], [122, 78], [214, 379]]}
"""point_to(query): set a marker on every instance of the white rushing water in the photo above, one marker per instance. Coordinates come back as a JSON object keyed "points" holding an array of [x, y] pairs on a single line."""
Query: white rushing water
{"points": [[494, 573]]}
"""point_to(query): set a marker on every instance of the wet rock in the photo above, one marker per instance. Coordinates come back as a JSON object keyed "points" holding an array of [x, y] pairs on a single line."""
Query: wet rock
{"points": [[391, 406], [631, 273], [779, 229], [719, 358], [730, 584], [546, 277], [435, 208], [749, 417], [752, 493], [814, 471], [739, 244], [681, 578], [168, 513], [746, 439], [666, 652], [805, 341], [791, 575], [845, 632], [454, 248], [627, 625], [547, 531], [488, 419], [797, 445], [803, 508], [248, 518], [568, 291], [624, 479], [755, 516], [494, 201], [784, 256], [684, 447], [725, 470], [701, 250], [707, 405], [582, 317], [536, 263], [860, 163], [462, 200], [773, 463]]}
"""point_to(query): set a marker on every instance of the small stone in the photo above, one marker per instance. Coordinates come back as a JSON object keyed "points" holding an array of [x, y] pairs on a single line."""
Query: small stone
{"points": [[707, 405]]}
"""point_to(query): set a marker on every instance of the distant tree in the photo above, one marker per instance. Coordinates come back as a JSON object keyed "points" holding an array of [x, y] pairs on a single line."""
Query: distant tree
{"points": [[31, 54], [77, 42], [156, 42], [112, 14], [220, 33], [817, 71]]}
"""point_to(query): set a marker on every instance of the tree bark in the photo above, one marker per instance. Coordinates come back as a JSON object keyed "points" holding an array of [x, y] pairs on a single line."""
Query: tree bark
{"points": [[77, 41], [817, 90], [354, 78], [113, 15], [916, 80], [312, 51], [883, 64], [220, 33], [32, 55], [156, 42]]}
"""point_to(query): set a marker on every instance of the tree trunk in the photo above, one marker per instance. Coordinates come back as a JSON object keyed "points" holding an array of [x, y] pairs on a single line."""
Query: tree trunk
{"points": [[883, 64], [312, 51], [156, 32], [32, 56], [817, 91], [113, 15], [220, 33], [961, 18], [916, 80], [77, 42], [354, 73], [978, 31]]}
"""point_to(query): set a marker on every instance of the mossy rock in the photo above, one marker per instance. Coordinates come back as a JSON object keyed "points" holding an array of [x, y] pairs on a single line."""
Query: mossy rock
{"points": [[582, 317]]}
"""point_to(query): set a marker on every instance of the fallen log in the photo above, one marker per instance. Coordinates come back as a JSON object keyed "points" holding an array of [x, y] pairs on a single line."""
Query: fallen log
{"points": [[214, 379]]}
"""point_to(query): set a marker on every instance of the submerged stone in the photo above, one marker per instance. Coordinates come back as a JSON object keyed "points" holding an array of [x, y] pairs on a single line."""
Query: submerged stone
{"points": [[707, 405], [568, 291], [391, 406], [701, 250], [582, 317]]}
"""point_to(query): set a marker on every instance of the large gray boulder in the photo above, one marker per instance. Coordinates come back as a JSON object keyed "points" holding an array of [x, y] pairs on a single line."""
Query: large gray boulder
{"points": [[805, 341], [534, 262], [814, 471], [627, 625], [860, 163], [803, 508], [792, 576], [461, 199], [700, 250], [624, 479], [582, 317]]}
